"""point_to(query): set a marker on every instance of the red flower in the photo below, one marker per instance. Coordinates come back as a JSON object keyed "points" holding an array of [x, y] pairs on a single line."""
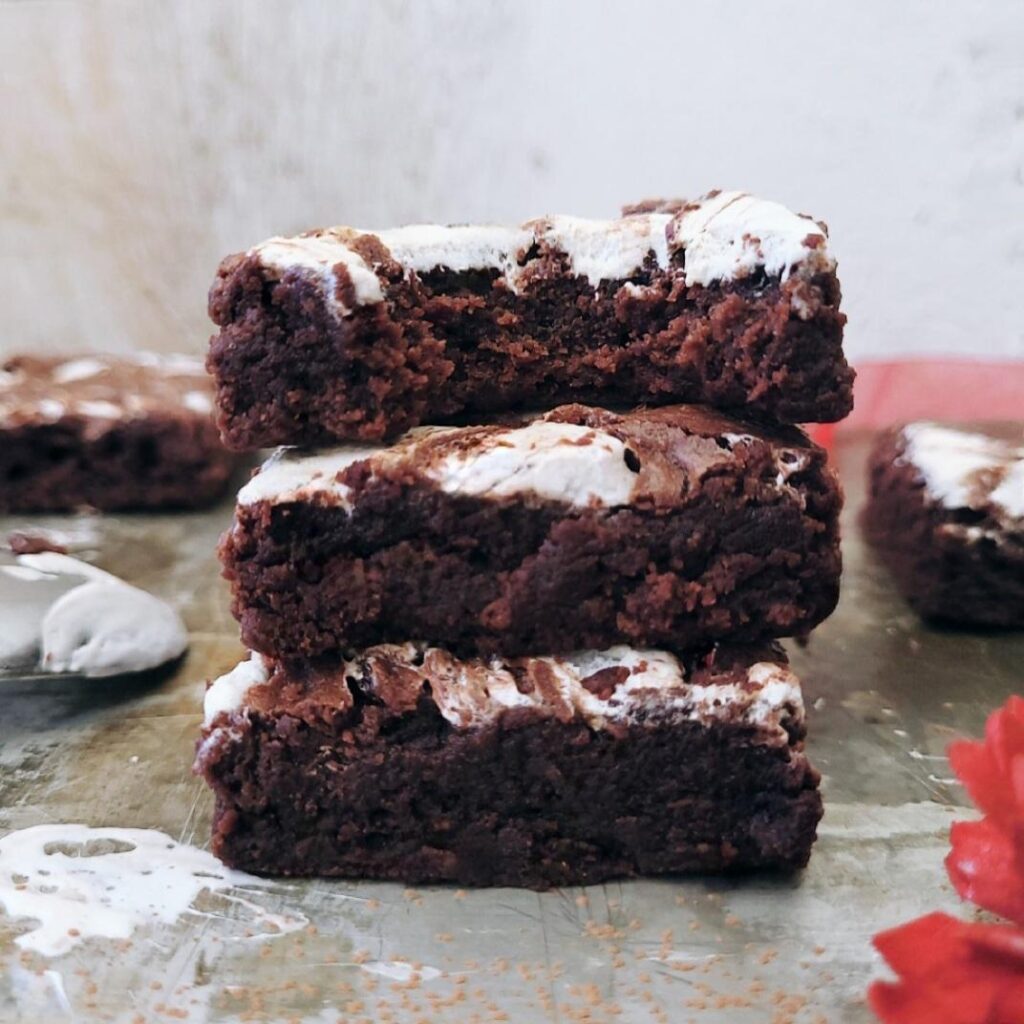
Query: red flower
{"points": [[951, 972], [986, 863]]}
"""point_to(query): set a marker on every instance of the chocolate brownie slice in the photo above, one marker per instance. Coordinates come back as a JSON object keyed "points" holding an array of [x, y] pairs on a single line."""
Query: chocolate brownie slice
{"points": [[404, 763], [670, 527], [108, 432], [343, 334], [946, 510]]}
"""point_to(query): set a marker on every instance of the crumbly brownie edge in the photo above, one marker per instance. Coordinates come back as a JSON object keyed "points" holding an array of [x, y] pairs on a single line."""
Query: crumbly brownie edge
{"points": [[447, 346], [951, 565]]}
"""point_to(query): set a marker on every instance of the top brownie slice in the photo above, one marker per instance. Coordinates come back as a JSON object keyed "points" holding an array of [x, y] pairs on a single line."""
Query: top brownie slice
{"points": [[342, 334], [671, 527]]}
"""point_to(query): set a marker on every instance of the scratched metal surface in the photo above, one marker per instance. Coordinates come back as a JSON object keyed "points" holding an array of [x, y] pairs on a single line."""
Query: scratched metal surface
{"points": [[885, 693]]}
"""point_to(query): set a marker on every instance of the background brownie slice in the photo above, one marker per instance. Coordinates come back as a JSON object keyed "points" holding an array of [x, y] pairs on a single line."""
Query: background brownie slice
{"points": [[671, 527], [946, 509], [346, 334], [108, 432], [404, 763]]}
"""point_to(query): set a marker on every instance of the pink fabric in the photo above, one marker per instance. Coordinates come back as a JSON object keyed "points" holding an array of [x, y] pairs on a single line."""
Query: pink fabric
{"points": [[945, 389]]}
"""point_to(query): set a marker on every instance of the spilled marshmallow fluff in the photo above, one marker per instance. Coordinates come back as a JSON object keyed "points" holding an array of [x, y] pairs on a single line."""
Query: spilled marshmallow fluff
{"points": [[75, 883], [69, 616]]}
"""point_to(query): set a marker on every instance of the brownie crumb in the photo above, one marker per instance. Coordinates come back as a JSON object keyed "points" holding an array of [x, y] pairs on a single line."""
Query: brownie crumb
{"points": [[34, 544]]}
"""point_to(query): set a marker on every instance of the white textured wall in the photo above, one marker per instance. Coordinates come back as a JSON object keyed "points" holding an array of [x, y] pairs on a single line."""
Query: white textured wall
{"points": [[142, 141]]}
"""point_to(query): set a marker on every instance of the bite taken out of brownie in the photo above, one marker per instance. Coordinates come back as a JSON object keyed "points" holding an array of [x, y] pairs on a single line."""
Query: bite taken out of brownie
{"points": [[341, 334], [672, 527], [402, 762], [946, 511], [108, 432]]}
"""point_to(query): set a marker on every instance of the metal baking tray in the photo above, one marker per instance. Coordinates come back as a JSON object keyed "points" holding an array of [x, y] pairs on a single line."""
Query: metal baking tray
{"points": [[885, 695]]}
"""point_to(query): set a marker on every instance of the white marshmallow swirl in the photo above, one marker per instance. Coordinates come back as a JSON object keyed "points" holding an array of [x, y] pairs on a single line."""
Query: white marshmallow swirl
{"points": [[724, 236]]}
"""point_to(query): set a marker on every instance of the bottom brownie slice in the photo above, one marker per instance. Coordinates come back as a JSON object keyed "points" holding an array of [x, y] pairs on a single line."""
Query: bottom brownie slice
{"points": [[406, 763]]}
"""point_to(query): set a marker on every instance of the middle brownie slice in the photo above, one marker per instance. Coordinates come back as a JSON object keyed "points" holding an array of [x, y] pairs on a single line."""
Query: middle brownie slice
{"points": [[672, 528]]}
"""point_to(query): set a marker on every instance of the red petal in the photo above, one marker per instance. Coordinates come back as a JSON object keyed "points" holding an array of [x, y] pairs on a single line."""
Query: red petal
{"points": [[987, 868], [995, 767], [1005, 726], [1004, 735], [951, 972], [895, 1003], [977, 767], [918, 947], [993, 770]]}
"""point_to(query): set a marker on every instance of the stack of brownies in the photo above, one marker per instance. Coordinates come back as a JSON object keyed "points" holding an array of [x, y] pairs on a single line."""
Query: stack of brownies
{"points": [[534, 645]]}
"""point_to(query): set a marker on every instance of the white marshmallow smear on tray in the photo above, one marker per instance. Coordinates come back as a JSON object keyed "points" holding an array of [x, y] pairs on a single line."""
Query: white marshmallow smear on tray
{"points": [[73, 883]]}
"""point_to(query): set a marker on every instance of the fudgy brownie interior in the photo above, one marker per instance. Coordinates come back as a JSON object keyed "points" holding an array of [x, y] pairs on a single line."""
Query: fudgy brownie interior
{"points": [[405, 763]]}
